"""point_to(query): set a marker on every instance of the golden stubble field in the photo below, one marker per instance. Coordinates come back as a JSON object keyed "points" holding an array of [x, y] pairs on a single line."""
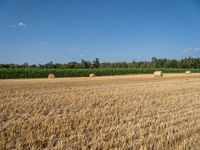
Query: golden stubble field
{"points": [[121, 112]]}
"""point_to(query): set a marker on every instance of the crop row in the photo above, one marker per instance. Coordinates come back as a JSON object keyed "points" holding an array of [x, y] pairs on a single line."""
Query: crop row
{"points": [[43, 73]]}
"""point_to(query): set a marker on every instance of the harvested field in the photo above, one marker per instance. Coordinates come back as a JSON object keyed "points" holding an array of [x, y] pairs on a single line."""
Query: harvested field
{"points": [[122, 112]]}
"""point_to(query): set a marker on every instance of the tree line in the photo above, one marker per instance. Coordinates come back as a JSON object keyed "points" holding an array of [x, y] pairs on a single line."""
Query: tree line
{"points": [[189, 62]]}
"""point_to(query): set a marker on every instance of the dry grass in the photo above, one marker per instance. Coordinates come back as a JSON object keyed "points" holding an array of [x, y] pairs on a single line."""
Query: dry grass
{"points": [[121, 112], [51, 76], [92, 75], [187, 72], [158, 74]]}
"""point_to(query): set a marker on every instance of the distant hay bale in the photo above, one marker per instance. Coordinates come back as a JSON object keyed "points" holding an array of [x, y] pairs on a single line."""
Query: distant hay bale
{"points": [[158, 74], [51, 76], [188, 72], [92, 75]]}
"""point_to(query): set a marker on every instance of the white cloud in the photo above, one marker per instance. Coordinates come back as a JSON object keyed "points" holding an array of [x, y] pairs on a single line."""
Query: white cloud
{"points": [[18, 25], [71, 49], [13, 26], [190, 49], [43, 43], [21, 24], [82, 55]]}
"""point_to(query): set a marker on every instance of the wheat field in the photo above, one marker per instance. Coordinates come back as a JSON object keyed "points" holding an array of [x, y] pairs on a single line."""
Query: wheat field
{"points": [[120, 112]]}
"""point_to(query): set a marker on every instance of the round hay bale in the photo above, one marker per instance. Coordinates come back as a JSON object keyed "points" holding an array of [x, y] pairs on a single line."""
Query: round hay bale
{"points": [[51, 76], [187, 72], [158, 74], [92, 75]]}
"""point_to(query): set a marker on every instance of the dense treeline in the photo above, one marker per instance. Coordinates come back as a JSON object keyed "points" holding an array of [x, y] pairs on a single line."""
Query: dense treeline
{"points": [[154, 63]]}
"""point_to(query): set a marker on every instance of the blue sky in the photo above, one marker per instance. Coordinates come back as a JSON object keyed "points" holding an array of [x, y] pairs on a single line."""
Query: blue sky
{"points": [[39, 31]]}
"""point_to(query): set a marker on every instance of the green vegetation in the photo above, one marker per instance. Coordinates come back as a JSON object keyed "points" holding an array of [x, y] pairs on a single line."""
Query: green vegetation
{"points": [[43, 73], [84, 68]]}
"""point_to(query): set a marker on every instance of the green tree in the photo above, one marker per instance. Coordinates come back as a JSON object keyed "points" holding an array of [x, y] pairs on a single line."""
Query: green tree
{"points": [[96, 63]]}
